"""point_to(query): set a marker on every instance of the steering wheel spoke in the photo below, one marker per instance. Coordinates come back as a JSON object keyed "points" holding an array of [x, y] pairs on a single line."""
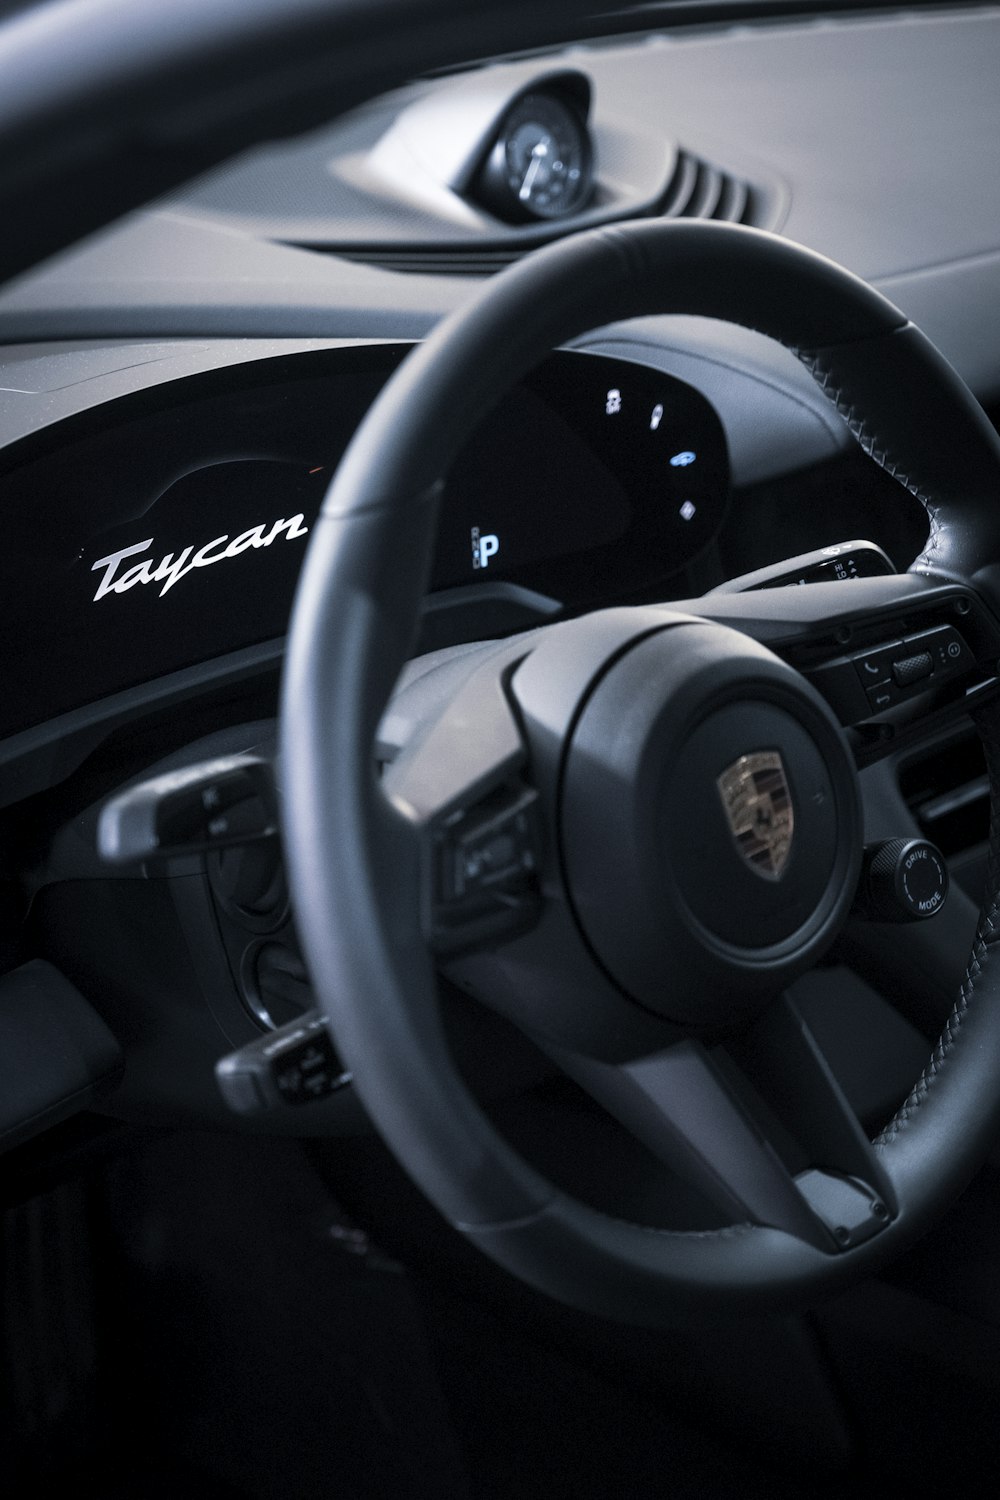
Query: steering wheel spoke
{"points": [[782, 1061], [679, 1105], [759, 1127], [463, 786]]}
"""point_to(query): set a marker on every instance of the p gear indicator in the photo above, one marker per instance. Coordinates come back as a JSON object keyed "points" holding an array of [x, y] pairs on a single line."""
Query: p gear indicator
{"points": [[484, 546]]}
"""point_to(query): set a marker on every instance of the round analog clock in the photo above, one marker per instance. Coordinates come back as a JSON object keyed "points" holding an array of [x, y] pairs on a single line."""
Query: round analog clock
{"points": [[541, 163]]}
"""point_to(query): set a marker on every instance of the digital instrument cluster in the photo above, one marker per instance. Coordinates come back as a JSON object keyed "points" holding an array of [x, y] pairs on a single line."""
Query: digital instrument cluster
{"points": [[169, 529]]}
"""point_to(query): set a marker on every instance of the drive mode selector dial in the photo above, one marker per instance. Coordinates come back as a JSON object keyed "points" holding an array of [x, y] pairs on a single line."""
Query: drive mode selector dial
{"points": [[902, 880]]}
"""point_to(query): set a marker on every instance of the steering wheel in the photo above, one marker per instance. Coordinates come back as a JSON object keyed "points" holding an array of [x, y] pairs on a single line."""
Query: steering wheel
{"points": [[629, 832], [627, 933]]}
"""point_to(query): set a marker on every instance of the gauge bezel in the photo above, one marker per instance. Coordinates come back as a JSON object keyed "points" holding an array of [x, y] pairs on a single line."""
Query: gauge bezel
{"points": [[495, 189]]}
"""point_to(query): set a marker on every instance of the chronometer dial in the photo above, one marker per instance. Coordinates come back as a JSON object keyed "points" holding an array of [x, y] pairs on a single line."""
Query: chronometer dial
{"points": [[541, 166]]}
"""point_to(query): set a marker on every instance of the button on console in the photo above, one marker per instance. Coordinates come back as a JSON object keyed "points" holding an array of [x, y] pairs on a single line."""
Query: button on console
{"points": [[883, 696], [875, 666], [913, 669], [486, 851], [903, 669]]}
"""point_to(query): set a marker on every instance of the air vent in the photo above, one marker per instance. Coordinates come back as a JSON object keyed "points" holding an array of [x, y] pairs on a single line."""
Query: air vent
{"points": [[431, 260], [696, 190]]}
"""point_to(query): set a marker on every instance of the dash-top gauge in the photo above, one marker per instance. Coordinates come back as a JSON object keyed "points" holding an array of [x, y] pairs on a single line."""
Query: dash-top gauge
{"points": [[541, 164]]}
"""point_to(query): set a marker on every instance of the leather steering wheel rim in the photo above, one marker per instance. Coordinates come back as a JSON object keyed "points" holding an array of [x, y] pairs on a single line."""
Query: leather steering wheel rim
{"points": [[353, 862]]}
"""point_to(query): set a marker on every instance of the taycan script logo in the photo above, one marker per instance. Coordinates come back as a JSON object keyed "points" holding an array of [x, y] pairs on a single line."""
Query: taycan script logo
{"points": [[758, 803], [172, 568]]}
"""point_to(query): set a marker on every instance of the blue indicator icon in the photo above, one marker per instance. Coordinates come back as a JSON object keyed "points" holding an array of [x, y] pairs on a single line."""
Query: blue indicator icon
{"points": [[681, 460]]}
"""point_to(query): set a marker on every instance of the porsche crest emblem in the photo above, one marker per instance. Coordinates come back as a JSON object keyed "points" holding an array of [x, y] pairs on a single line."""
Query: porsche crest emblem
{"points": [[758, 804]]}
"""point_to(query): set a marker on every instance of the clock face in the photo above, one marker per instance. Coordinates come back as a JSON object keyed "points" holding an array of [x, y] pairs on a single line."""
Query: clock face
{"points": [[541, 164]]}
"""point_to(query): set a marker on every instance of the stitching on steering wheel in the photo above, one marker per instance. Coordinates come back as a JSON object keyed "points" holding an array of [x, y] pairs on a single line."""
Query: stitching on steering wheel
{"points": [[825, 374], [822, 368]]}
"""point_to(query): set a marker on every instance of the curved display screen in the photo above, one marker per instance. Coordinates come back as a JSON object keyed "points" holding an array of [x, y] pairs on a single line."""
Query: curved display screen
{"points": [[177, 534], [592, 481]]}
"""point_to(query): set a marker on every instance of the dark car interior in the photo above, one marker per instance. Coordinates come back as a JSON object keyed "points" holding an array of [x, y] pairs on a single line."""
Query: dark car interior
{"points": [[496, 994]]}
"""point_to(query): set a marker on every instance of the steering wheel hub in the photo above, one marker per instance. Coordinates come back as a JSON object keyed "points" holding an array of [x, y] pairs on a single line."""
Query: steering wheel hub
{"points": [[710, 823]]}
